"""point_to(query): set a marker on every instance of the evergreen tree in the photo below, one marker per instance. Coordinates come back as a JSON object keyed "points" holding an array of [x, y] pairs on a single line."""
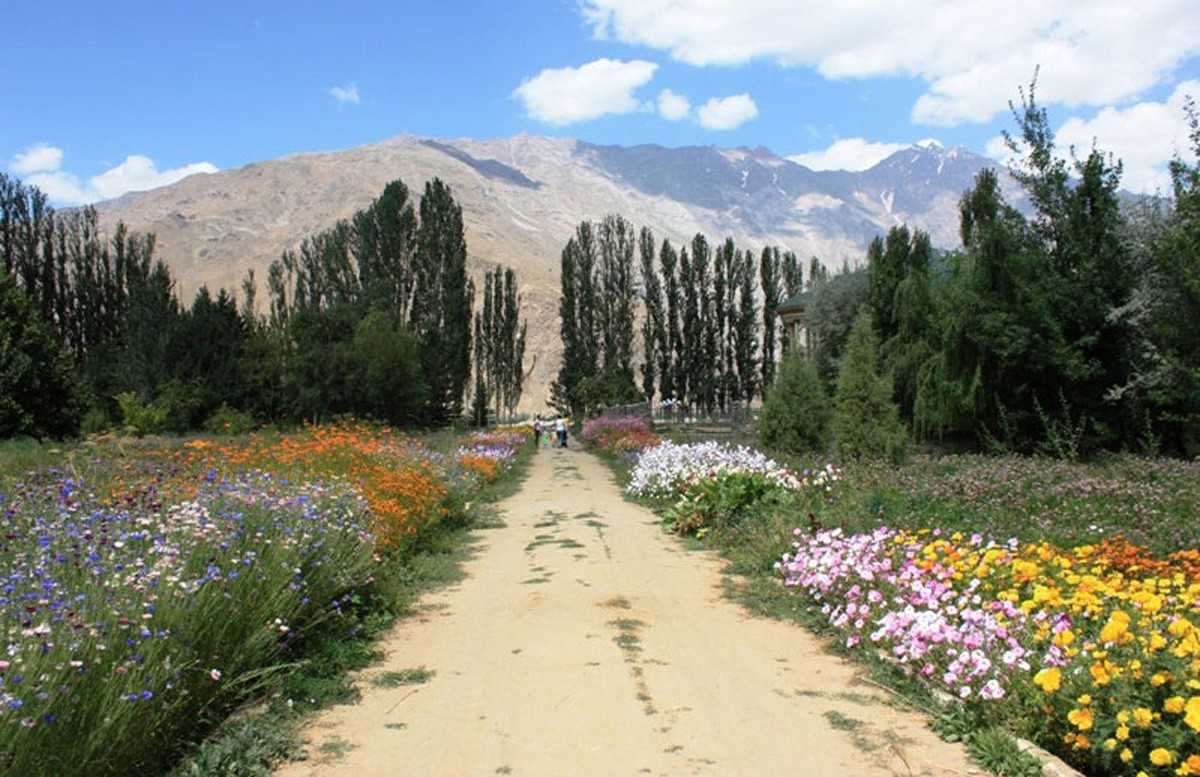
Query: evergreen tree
{"points": [[796, 413], [866, 422]]}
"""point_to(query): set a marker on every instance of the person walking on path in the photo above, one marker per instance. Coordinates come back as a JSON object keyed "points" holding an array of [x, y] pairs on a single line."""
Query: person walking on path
{"points": [[537, 433], [560, 429]]}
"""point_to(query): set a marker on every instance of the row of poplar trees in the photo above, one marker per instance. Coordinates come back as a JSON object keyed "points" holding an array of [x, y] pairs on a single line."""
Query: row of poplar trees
{"points": [[709, 336], [372, 317]]}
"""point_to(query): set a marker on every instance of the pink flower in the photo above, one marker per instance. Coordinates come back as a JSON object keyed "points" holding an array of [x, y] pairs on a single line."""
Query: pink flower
{"points": [[215, 674]]}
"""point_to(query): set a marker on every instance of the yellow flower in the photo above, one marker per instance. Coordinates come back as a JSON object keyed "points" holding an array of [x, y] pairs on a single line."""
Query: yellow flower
{"points": [[1142, 717], [1081, 719], [1174, 704], [1157, 641], [1122, 732], [1049, 680], [1110, 744], [1160, 756], [1085, 699], [1161, 678], [1192, 713], [1082, 743], [1117, 629], [1192, 764], [1126, 755], [1123, 716]]}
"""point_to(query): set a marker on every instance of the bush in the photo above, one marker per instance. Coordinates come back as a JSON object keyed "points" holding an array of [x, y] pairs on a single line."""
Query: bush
{"points": [[226, 420], [796, 413]]}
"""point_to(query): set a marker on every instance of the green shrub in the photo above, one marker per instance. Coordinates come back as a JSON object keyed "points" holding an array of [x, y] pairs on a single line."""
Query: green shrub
{"points": [[226, 420], [141, 417], [795, 416], [866, 422]]}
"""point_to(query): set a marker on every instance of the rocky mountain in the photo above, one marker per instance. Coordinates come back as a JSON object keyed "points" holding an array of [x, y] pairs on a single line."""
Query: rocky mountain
{"points": [[523, 196]]}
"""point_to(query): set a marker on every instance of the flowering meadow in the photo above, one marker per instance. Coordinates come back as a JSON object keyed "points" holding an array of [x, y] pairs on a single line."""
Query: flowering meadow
{"points": [[1090, 647], [143, 600]]}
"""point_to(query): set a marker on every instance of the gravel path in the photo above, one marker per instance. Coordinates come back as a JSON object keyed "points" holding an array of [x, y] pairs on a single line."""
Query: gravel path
{"points": [[586, 641]]}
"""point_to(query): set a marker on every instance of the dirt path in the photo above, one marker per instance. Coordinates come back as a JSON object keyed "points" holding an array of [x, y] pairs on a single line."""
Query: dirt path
{"points": [[585, 641]]}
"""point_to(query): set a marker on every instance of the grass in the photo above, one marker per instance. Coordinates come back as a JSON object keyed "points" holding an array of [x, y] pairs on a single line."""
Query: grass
{"points": [[418, 676]]}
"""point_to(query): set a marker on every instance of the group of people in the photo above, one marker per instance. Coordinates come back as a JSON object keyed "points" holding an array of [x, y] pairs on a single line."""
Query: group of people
{"points": [[545, 427]]}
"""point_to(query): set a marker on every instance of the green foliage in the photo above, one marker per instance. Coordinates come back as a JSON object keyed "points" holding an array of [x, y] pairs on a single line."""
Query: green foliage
{"points": [[866, 422], [443, 296], [596, 314], [38, 390], [227, 420], [834, 303], [796, 413], [719, 504], [499, 345], [140, 417]]}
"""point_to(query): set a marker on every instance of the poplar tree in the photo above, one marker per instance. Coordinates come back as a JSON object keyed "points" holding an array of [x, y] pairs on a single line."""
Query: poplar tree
{"points": [[654, 322], [443, 296], [770, 272], [671, 346]]}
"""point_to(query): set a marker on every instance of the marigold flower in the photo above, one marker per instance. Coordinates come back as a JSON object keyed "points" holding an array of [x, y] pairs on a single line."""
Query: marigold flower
{"points": [[1142, 717], [1174, 704], [1126, 755], [1160, 756], [1081, 719], [1049, 680], [1192, 713]]}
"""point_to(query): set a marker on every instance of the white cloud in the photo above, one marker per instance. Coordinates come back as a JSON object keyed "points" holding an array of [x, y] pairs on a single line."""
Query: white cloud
{"points": [[971, 55], [567, 95], [38, 158], [849, 154], [347, 94], [672, 106], [40, 166], [138, 174], [1144, 136], [724, 113]]}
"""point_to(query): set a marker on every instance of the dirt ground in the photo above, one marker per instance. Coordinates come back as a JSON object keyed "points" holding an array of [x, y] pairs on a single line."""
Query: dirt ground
{"points": [[584, 640]]}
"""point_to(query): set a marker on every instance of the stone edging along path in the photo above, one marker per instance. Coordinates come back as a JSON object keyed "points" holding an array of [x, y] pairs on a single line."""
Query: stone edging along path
{"points": [[584, 640]]}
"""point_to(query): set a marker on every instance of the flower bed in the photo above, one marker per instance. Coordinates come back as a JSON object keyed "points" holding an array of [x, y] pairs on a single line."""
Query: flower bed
{"points": [[667, 469], [1092, 651], [615, 436], [144, 602]]}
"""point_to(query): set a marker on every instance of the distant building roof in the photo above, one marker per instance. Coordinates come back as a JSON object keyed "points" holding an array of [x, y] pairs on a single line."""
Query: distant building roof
{"points": [[795, 303]]}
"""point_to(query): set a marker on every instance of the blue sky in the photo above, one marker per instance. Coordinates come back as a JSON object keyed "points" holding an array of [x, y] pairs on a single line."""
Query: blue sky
{"points": [[103, 98]]}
